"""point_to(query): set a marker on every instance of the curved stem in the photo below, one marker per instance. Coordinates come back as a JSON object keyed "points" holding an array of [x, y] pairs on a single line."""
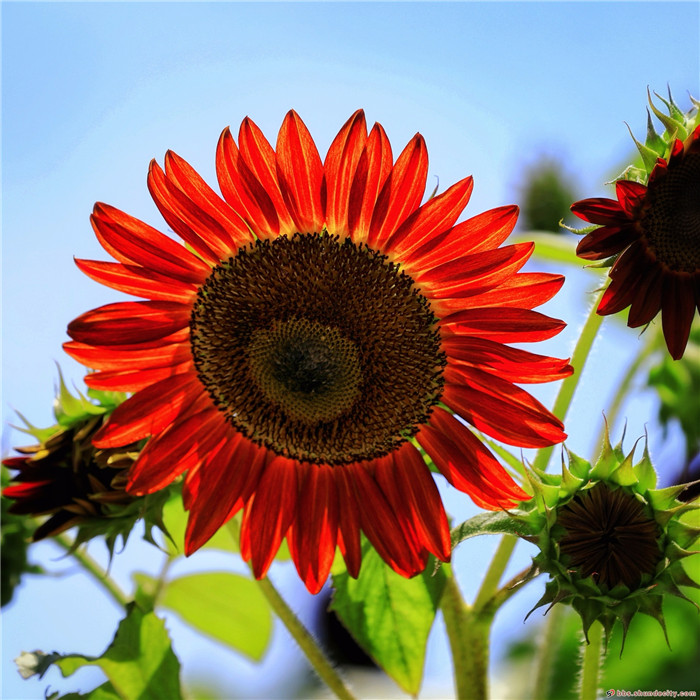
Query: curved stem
{"points": [[508, 589], [94, 569], [161, 580], [592, 662], [306, 642], [568, 386], [621, 392], [495, 571], [313, 652]]}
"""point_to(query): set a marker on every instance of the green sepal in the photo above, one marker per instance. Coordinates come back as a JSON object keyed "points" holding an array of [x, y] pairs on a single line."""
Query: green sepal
{"points": [[682, 534], [663, 499], [602, 264], [674, 121], [606, 462], [682, 578], [578, 466], [69, 409], [644, 469], [569, 482], [584, 230], [590, 610], [546, 495], [40, 434], [673, 126], [625, 475], [654, 142], [649, 155]]}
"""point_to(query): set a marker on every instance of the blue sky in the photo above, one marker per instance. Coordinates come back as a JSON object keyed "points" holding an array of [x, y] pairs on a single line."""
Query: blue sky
{"points": [[92, 91]]}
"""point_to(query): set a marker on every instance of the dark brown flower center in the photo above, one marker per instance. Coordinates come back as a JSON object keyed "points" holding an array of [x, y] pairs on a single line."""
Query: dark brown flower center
{"points": [[670, 216], [318, 349], [609, 536]]}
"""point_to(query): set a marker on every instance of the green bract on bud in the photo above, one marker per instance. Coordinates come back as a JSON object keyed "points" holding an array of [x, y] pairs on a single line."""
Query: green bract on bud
{"points": [[677, 125], [612, 544], [65, 477]]}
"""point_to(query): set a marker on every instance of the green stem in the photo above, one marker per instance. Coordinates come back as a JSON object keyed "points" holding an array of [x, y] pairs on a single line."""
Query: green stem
{"points": [[592, 662], [547, 649], [94, 569], [507, 590], [495, 571], [622, 389], [306, 642], [316, 657], [568, 386], [162, 579], [468, 634]]}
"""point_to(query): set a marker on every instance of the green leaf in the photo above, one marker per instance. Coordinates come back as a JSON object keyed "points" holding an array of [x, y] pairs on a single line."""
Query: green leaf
{"points": [[489, 523], [226, 607], [102, 692], [389, 616], [139, 663]]}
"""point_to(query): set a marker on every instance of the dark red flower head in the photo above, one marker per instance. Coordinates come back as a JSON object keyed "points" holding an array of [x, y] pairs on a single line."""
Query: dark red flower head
{"points": [[655, 230], [318, 331]]}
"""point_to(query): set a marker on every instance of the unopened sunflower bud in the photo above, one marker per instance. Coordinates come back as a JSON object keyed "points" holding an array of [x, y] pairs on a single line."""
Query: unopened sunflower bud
{"points": [[612, 544], [65, 477]]}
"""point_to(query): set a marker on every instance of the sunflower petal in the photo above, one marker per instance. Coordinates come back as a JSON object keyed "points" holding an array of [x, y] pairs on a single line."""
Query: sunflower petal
{"points": [[380, 524], [132, 241], [129, 322], [511, 364], [272, 512], [677, 312], [226, 482], [259, 156], [500, 409], [401, 194], [373, 168], [467, 464], [149, 411], [242, 190], [510, 325], [339, 168], [224, 221], [435, 216], [181, 215], [600, 210], [421, 501], [181, 446], [315, 534], [139, 281], [300, 174], [348, 523]]}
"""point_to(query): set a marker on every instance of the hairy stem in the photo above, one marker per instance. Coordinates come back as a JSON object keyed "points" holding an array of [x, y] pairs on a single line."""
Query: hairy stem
{"points": [[469, 644], [94, 569], [548, 644], [306, 642], [313, 652], [592, 662]]}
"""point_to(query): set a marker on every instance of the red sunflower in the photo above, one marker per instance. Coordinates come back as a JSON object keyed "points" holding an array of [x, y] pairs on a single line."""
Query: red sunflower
{"points": [[656, 228], [317, 326]]}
